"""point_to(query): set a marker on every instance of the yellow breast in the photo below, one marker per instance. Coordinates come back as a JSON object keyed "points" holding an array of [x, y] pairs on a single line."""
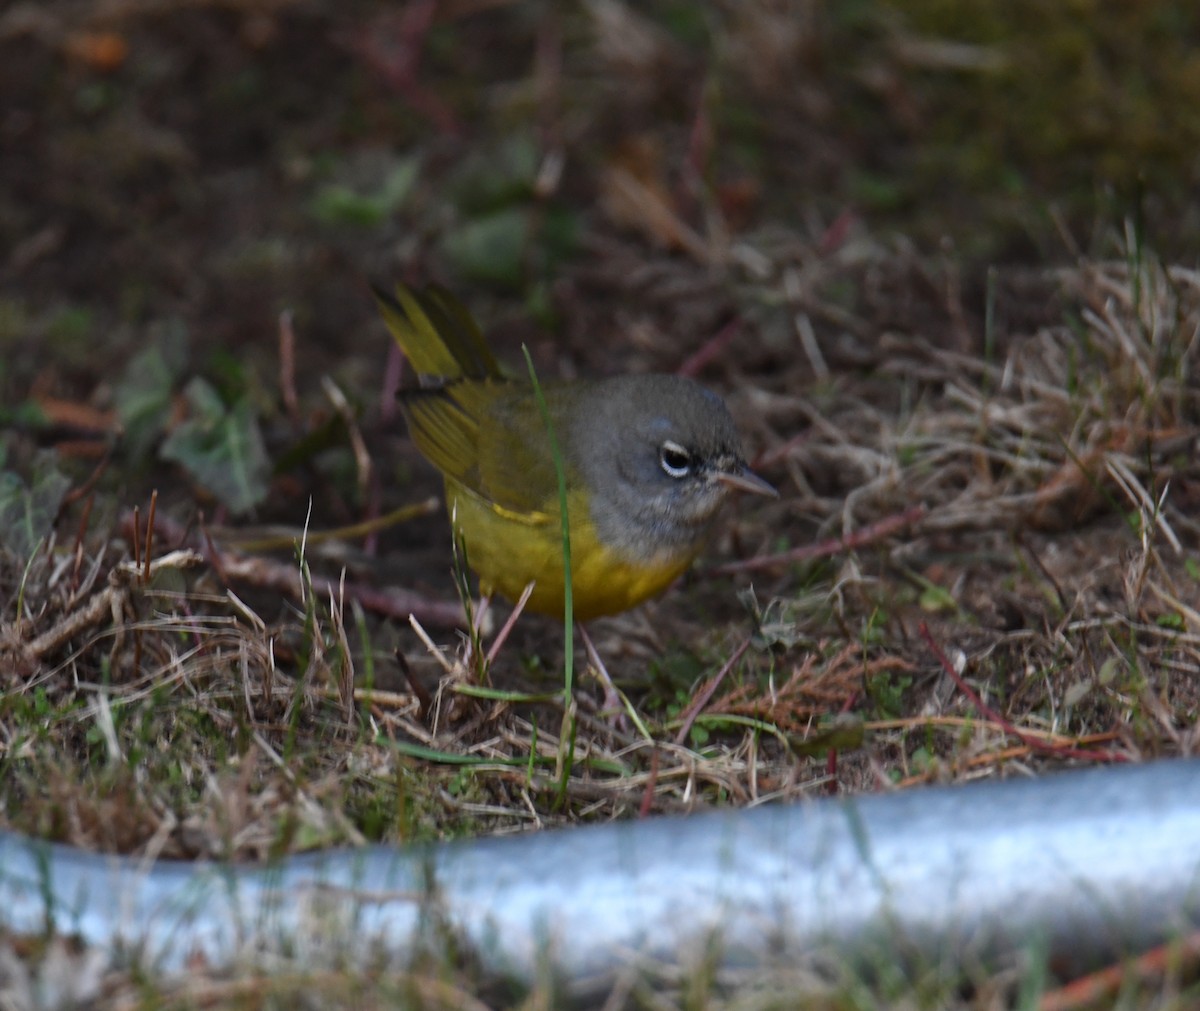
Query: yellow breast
{"points": [[509, 551]]}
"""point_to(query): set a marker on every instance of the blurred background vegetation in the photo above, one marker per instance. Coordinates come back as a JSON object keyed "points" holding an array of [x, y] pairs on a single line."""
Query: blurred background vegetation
{"points": [[218, 160], [610, 182], [624, 187]]}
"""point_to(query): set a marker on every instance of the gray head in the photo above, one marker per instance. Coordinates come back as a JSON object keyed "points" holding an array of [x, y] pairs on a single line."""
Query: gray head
{"points": [[659, 455]]}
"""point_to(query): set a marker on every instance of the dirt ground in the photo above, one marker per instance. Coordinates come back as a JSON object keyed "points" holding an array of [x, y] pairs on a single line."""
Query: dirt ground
{"points": [[940, 265]]}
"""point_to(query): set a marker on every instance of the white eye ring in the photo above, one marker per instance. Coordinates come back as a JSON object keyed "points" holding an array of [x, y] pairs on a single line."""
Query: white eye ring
{"points": [[674, 459]]}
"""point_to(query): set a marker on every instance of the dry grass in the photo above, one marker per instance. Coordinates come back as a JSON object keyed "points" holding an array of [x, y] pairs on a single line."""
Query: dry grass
{"points": [[149, 709], [983, 562]]}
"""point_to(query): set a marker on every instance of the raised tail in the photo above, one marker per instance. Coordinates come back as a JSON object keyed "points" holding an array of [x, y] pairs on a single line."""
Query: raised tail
{"points": [[437, 333]]}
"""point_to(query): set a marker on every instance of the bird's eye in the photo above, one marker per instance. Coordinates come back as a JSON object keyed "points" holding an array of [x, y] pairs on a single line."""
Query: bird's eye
{"points": [[675, 460]]}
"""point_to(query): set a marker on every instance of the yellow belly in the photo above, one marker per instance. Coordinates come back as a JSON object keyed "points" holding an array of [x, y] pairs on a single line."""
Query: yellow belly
{"points": [[510, 552]]}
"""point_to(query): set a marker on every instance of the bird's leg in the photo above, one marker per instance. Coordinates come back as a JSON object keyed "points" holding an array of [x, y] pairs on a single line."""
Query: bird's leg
{"points": [[480, 615], [508, 624], [474, 660], [613, 705]]}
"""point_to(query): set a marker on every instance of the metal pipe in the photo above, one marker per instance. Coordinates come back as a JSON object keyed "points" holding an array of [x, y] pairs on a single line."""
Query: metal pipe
{"points": [[1078, 867]]}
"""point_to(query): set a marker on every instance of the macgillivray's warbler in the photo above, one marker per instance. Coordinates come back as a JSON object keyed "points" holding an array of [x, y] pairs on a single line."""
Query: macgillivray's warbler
{"points": [[648, 459]]}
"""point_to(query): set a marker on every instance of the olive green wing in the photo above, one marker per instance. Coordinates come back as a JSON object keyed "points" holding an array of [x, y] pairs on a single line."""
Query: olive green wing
{"points": [[517, 469], [489, 437]]}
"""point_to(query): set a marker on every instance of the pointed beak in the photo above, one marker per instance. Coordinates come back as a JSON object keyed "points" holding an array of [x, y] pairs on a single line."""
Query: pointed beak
{"points": [[744, 479]]}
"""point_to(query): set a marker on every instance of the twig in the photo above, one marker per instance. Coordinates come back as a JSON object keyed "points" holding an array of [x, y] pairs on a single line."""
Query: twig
{"points": [[106, 601], [393, 371], [1042, 568], [1097, 988], [136, 525], [614, 699], [397, 59], [803, 326], [835, 236], [362, 456], [848, 542], [84, 520], [424, 699], [1031, 742], [85, 489], [266, 572], [651, 782], [287, 366], [507, 627], [705, 694], [150, 534], [346, 533], [711, 349]]}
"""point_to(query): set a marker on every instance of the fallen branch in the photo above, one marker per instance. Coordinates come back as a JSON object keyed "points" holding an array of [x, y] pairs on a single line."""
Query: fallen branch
{"points": [[267, 573]]}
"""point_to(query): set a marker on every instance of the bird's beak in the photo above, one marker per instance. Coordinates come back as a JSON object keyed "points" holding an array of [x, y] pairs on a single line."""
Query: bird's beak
{"points": [[744, 479]]}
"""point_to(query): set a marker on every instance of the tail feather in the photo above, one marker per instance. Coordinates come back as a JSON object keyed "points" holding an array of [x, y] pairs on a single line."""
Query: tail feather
{"points": [[437, 333]]}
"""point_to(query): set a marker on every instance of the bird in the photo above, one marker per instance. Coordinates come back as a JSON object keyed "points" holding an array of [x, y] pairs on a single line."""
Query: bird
{"points": [[648, 461]]}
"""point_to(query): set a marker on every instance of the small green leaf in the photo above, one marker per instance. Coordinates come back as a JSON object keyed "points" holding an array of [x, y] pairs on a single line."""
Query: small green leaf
{"points": [[143, 395], [922, 759], [69, 327], [221, 448], [490, 249], [559, 235], [27, 512], [496, 177], [934, 598], [887, 691], [340, 204], [328, 434], [337, 204]]}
